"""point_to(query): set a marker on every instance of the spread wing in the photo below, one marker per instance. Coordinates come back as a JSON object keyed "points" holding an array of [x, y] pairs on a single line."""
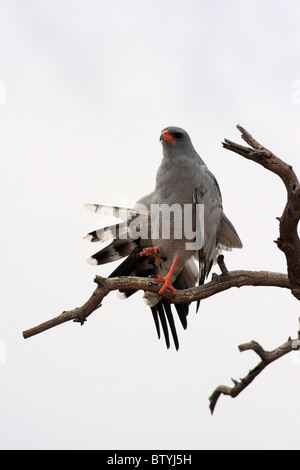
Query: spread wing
{"points": [[122, 245]]}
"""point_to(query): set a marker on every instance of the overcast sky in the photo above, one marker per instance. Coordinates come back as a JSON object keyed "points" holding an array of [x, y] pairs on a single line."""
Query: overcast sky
{"points": [[85, 89]]}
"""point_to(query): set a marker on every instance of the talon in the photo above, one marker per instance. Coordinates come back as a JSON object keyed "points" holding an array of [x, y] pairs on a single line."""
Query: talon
{"points": [[166, 284], [167, 279], [152, 251]]}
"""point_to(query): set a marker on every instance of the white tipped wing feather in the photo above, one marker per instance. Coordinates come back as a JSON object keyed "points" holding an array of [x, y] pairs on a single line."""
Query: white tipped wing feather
{"points": [[228, 237], [123, 213]]}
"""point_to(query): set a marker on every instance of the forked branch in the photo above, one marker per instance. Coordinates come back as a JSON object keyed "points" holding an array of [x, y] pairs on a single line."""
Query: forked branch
{"points": [[267, 357], [288, 240]]}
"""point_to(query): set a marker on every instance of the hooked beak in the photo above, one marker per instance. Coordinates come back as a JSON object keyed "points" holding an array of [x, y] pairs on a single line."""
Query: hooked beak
{"points": [[166, 137]]}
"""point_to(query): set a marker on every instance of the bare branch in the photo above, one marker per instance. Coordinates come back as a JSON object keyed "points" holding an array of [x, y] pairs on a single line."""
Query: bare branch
{"points": [[288, 240], [267, 357], [219, 283], [261, 155]]}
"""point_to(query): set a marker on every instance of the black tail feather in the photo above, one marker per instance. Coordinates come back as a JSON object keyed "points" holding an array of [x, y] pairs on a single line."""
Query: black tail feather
{"points": [[170, 318], [163, 322], [156, 321], [182, 311], [162, 312]]}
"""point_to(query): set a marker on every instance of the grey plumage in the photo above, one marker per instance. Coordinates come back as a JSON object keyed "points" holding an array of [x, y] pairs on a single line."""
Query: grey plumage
{"points": [[184, 179]]}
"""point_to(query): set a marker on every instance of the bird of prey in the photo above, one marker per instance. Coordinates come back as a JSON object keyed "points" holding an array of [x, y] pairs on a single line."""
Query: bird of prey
{"points": [[181, 221]]}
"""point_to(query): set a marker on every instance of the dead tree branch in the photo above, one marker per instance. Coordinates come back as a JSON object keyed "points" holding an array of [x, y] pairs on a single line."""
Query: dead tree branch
{"points": [[219, 283], [267, 357], [288, 240]]}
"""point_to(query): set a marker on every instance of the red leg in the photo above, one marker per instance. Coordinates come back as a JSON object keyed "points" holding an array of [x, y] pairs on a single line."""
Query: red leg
{"points": [[154, 251], [167, 279]]}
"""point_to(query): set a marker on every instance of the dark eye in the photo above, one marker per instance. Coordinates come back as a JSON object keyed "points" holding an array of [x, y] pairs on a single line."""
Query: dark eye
{"points": [[177, 135]]}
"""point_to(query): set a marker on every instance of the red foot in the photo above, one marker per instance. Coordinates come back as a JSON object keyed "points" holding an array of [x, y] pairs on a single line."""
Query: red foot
{"points": [[167, 284], [167, 279], [154, 251]]}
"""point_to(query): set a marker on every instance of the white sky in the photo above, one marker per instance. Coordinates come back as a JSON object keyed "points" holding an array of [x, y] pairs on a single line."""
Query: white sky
{"points": [[89, 86]]}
